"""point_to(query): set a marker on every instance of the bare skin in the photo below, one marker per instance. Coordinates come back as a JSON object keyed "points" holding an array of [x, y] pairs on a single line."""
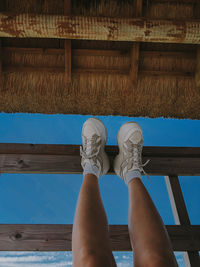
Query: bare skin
{"points": [[90, 240], [149, 238]]}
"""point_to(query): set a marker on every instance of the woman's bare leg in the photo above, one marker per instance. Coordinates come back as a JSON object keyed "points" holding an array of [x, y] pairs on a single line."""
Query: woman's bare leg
{"points": [[148, 235], [90, 239]]}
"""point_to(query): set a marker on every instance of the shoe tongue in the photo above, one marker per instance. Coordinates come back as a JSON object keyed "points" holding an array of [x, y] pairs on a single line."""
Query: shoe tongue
{"points": [[135, 138]]}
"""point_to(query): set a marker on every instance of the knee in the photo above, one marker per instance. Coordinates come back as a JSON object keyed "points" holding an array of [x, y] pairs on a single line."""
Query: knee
{"points": [[93, 258]]}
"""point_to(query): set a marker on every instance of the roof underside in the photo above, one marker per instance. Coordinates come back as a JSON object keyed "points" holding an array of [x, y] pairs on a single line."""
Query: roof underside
{"points": [[105, 77]]}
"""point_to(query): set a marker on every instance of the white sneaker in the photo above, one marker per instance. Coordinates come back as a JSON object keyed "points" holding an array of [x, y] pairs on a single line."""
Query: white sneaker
{"points": [[94, 137], [130, 142]]}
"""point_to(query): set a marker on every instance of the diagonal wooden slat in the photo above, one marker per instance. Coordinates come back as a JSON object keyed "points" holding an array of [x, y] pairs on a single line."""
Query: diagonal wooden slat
{"points": [[181, 216], [56, 237]]}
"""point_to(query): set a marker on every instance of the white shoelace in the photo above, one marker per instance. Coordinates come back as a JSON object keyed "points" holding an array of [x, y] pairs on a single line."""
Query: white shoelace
{"points": [[134, 156], [90, 149]]}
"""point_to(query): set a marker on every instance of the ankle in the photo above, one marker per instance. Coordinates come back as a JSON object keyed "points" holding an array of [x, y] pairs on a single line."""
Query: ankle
{"points": [[91, 169], [131, 175], [90, 176]]}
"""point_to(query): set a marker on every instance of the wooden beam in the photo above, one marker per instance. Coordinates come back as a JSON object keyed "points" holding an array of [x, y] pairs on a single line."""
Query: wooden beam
{"points": [[25, 158], [76, 52], [62, 70], [56, 237], [107, 71], [68, 50], [181, 217], [99, 28], [177, 74], [99, 52], [135, 50]]}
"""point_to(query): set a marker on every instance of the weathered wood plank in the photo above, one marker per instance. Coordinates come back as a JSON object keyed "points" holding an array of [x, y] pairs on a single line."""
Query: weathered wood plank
{"points": [[45, 149], [68, 49], [99, 28], [52, 237], [181, 216], [27, 158]]}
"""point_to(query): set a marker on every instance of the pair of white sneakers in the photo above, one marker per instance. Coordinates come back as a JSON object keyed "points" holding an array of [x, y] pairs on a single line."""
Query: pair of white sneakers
{"points": [[130, 142]]}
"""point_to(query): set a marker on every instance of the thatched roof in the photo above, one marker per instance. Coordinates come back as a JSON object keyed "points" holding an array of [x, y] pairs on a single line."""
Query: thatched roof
{"points": [[33, 75]]}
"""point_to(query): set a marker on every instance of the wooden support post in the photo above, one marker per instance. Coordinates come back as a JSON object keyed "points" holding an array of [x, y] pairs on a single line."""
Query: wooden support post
{"points": [[181, 217], [68, 50], [135, 50], [99, 28]]}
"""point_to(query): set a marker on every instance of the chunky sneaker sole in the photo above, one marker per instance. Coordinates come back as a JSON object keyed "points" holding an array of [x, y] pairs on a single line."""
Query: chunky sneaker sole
{"points": [[130, 141], [94, 137]]}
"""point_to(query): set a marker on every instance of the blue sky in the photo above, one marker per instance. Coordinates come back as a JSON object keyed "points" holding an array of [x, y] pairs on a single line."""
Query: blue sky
{"points": [[37, 198]]}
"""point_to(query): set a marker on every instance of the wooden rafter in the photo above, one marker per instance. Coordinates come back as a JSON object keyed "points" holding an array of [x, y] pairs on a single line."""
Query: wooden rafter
{"points": [[98, 52], [100, 70], [56, 237], [68, 51], [99, 28], [116, 71], [135, 50], [181, 216], [25, 158]]}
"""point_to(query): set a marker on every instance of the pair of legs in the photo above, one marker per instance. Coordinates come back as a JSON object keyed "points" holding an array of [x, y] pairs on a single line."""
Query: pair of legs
{"points": [[90, 239]]}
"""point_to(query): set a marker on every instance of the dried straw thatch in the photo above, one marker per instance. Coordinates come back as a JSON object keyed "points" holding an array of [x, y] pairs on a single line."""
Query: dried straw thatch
{"points": [[33, 80]]}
